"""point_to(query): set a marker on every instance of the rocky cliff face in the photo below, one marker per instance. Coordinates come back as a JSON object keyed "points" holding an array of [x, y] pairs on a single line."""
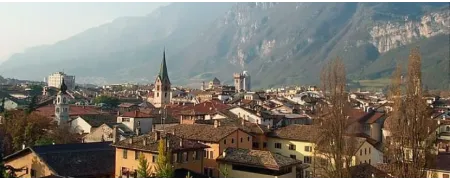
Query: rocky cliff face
{"points": [[386, 36]]}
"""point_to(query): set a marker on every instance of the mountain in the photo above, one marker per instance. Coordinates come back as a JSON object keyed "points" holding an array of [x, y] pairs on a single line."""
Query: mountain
{"points": [[278, 43]]}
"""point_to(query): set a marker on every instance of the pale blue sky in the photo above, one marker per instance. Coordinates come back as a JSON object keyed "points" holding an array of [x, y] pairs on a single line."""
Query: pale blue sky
{"points": [[24, 25]]}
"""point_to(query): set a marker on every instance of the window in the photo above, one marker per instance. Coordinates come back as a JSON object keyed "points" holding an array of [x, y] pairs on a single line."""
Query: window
{"points": [[59, 100], [139, 123], [255, 145], [293, 156], [292, 147], [447, 128], [125, 154], [360, 152], [225, 141], [64, 109], [179, 157], [208, 171], [369, 161], [186, 157], [125, 119], [307, 159], [64, 100], [57, 110], [205, 154], [308, 148], [157, 87], [157, 94], [248, 138], [136, 154], [211, 155], [232, 140], [369, 150], [153, 159], [278, 145], [33, 173], [365, 151], [197, 155], [165, 94], [264, 144], [241, 139]]}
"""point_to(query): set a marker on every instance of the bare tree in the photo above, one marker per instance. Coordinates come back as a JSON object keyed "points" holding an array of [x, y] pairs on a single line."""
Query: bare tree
{"points": [[409, 146], [334, 150]]}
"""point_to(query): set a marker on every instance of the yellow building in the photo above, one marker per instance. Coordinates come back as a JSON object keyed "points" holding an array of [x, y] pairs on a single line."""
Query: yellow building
{"points": [[246, 163], [217, 137], [88, 160], [442, 167], [297, 141], [186, 154]]}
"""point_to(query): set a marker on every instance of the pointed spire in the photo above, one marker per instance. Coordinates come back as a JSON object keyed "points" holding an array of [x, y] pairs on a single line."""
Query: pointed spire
{"points": [[63, 88], [163, 75]]}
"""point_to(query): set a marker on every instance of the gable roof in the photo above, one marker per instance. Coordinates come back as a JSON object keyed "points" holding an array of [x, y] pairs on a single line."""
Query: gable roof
{"points": [[297, 132], [75, 160], [152, 143], [96, 120], [257, 158], [202, 132], [366, 171]]}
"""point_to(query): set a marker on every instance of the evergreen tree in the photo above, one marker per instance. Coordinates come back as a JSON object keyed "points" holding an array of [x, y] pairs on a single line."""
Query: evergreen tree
{"points": [[144, 168], [164, 166]]}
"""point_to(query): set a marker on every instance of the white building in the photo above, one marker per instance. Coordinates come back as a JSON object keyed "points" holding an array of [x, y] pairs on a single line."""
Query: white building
{"points": [[55, 79]]}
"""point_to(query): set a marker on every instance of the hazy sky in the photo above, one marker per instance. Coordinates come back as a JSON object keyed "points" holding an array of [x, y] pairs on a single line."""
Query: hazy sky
{"points": [[25, 25]]}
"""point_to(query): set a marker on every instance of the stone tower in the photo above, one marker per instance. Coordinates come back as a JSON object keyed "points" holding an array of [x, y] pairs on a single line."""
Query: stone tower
{"points": [[62, 105], [242, 81], [162, 95]]}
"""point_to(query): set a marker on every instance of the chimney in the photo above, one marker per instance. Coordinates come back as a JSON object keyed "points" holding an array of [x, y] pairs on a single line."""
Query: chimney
{"points": [[173, 132], [138, 131], [115, 134], [144, 141], [23, 146], [224, 153], [181, 142], [242, 122], [135, 113], [118, 113], [216, 123]]}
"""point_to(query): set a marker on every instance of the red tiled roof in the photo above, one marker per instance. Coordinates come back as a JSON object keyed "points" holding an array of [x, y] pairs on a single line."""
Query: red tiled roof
{"points": [[136, 114], [49, 110], [126, 105]]}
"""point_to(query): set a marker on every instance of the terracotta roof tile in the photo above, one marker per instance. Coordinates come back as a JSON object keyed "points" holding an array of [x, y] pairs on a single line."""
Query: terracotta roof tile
{"points": [[74, 110], [202, 132], [257, 158], [136, 114], [152, 143], [296, 132]]}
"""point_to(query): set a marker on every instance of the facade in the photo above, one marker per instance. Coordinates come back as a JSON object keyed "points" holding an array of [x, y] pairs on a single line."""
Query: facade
{"points": [[215, 83], [217, 137], [246, 163], [62, 105], [242, 81], [64, 160], [162, 94], [186, 154], [55, 80], [136, 121], [87, 123]]}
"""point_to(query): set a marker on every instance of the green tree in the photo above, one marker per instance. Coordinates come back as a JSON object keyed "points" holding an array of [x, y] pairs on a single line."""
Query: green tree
{"points": [[144, 168], [111, 101], [36, 90], [164, 167], [32, 105]]}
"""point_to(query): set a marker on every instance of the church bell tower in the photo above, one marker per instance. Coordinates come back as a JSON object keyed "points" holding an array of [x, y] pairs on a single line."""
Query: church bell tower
{"points": [[62, 105], [162, 95]]}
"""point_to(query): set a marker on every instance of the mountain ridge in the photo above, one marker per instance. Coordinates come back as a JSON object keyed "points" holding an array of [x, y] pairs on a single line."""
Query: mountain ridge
{"points": [[279, 43]]}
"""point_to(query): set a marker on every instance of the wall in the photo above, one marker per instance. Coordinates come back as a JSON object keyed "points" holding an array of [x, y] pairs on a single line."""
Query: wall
{"points": [[437, 173], [30, 161], [9, 105], [97, 134], [375, 156], [132, 163], [300, 152], [146, 124], [242, 174], [246, 115], [80, 126]]}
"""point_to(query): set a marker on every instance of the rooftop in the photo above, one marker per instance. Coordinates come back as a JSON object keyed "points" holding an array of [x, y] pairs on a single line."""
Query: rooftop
{"points": [[202, 132], [257, 158], [296, 132]]}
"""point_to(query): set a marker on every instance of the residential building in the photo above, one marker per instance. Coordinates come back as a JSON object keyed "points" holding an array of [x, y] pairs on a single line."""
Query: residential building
{"points": [[162, 94], [217, 137], [79, 160], [254, 117], [186, 154], [441, 168], [136, 121], [106, 132], [55, 80], [87, 123], [247, 163]]}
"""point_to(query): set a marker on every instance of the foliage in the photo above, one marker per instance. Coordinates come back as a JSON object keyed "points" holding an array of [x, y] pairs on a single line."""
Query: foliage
{"points": [[36, 90], [111, 101], [32, 106], [409, 149], [143, 170], [164, 166], [334, 150], [224, 171]]}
